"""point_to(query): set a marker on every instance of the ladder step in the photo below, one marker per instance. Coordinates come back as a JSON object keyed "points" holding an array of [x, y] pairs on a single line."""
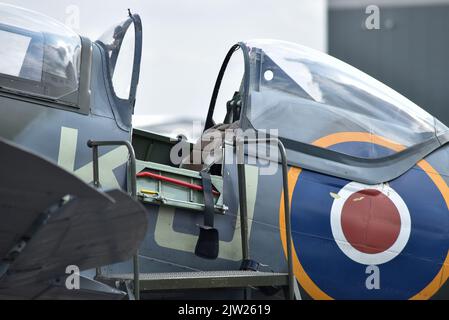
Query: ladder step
{"points": [[204, 280]]}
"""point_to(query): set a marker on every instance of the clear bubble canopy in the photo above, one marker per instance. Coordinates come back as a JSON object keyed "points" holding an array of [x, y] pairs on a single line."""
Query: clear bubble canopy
{"points": [[306, 94]]}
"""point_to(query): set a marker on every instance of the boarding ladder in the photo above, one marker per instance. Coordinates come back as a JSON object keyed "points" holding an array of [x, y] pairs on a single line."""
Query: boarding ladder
{"points": [[137, 282]]}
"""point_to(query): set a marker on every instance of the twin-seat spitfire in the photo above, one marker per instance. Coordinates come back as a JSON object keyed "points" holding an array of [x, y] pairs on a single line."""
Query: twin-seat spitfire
{"points": [[367, 173]]}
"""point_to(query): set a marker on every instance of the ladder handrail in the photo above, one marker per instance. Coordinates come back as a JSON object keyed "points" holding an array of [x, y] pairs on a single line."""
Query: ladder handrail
{"points": [[242, 194], [243, 208], [131, 175]]}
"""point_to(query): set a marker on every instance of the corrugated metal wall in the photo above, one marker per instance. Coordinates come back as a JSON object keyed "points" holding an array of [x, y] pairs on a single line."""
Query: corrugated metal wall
{"points": [[410, 52]]}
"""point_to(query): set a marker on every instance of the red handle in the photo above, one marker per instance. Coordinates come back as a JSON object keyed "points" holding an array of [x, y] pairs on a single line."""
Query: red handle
{"points": [[173, 181]]}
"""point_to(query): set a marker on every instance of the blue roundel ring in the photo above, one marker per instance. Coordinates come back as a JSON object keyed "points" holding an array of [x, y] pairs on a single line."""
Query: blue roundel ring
{"points": [[327, 262]]}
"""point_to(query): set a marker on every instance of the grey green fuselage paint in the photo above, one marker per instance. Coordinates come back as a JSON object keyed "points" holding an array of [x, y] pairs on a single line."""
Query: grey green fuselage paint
{"points": [[61, 134]]}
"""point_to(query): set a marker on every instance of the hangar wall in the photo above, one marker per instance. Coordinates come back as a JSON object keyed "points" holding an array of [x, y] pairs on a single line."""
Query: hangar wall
{"points": [[410, 51]]}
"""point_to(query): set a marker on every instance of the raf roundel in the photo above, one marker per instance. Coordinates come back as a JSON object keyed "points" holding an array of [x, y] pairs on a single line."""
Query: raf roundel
{"points": [[370, 224], [341, 228]]}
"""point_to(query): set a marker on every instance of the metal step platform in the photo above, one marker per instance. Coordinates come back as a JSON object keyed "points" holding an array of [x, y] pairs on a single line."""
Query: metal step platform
{"points": [[203, 280]]}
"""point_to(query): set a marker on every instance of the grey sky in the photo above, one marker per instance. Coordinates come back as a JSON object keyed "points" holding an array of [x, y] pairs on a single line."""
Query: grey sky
{"points": [[185, 41]]}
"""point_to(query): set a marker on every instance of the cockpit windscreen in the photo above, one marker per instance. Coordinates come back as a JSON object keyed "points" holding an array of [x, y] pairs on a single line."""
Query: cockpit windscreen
{"points": [[306, 95]]}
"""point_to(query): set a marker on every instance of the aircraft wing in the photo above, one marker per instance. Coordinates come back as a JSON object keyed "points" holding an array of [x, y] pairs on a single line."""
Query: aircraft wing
{"points": [[50, 219]]}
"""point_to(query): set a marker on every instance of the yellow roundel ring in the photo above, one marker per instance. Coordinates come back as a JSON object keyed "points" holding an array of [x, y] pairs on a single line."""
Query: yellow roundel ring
{"points": [[293, 175]]}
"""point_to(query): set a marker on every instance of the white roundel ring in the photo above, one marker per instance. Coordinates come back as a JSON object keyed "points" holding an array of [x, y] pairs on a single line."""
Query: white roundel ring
{"points": [[370, 224]]}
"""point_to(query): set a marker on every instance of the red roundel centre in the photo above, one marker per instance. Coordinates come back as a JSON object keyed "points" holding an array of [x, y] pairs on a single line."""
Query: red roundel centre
{"points": [[370, 221]]}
